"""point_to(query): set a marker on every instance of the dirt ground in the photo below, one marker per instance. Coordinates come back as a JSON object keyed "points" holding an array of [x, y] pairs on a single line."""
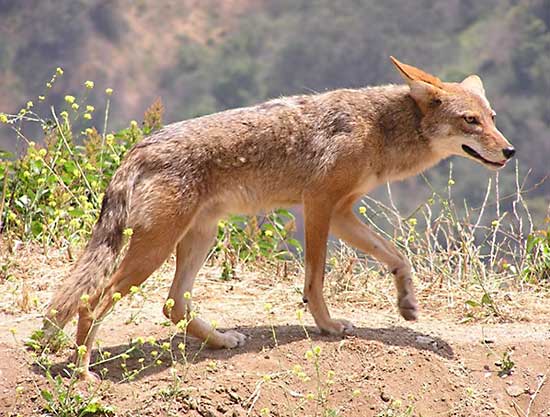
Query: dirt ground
{"points": [[446, 364]]}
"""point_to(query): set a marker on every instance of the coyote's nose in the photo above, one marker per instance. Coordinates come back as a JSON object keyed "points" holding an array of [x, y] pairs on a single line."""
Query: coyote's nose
{"points": [[508, 152]]}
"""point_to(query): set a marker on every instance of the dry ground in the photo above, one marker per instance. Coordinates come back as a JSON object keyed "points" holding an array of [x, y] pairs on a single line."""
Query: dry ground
{"points": [[446, 364]]}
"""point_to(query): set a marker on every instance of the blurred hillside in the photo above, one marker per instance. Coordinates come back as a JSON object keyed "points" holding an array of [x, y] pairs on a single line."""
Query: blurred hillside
{"points": [[202, 56]]}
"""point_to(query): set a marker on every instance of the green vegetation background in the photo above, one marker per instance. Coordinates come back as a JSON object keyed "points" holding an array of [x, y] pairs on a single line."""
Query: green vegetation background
{"points": [[206, 56]]}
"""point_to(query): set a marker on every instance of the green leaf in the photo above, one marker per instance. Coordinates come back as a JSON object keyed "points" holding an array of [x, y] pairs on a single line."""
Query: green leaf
{"points": [[486, 299], [472, 303], [47, 395], [76, 212]]}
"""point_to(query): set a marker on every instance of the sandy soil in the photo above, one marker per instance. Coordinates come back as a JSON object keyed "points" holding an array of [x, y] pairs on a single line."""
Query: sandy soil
{"points": [[439, 366]]}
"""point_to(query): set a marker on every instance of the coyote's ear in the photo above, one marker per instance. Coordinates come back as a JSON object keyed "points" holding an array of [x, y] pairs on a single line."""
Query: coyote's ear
{"points": [[425, 95], [411, 74], [474, 84], [426, 89]]}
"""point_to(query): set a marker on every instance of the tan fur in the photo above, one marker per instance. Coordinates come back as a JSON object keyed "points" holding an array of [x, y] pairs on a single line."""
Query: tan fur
{"points": [[322, 151]]}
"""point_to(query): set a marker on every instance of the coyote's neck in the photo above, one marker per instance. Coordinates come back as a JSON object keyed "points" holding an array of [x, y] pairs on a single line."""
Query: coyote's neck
{"points": [[396, 121]]}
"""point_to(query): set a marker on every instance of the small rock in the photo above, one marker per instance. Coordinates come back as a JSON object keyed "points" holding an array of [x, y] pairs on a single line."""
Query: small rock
{"points": [[424, 340], [515, 390], [384, 396], [206, 412], [234, 397]]}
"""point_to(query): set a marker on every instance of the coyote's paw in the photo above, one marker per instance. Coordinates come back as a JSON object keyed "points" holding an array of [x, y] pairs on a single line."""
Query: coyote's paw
{"points": [[89, 377], [232, 339], [408, 307], [337, 327]]}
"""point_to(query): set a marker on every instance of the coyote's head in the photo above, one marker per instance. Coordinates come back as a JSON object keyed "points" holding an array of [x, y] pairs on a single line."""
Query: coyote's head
{"points": [[457, 117]]}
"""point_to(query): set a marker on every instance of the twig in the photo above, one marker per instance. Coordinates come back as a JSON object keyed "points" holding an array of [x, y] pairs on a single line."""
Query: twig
{"points": [[537, 391]]}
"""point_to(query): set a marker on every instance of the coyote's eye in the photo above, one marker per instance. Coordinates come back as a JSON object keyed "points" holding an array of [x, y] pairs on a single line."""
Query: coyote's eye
{"points": [[493, 117], [472, 120]]}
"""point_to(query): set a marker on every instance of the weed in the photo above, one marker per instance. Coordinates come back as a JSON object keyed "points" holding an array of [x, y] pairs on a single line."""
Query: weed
{"points": [[506, 364]]}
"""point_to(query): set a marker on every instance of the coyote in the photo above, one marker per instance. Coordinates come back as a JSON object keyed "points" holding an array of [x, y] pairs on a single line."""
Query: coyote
{"points": [[322, 151]]}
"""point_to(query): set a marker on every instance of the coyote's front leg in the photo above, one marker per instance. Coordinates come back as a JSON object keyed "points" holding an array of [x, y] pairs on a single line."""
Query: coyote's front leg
{"points": [[348, 227], [317, 213]]}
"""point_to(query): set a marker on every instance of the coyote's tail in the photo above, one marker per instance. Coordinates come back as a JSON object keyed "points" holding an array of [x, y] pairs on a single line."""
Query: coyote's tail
{"points": [[97, 262]]}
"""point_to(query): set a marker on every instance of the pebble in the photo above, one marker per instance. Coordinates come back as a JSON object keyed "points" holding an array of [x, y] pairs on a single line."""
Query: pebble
{"points": [[515, 390]]}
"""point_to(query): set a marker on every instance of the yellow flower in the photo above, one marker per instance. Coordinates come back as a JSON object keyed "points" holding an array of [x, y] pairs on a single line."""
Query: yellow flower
{"points": [[451, 182], [30, 104], [75, 106], [317, 350], [268, 233], [264, 411], [310, 396], [59, 71], [165, 346], [89, 84], [266, 378], [109, 91], [309, 355], [268, 307], [128, 232], [85, 298], [90, 108], [187, 295], [134, 289], [181, 346], [87, 116], [356, 393], [64, 114], [41, 98], [3, 118], [362, 209], [330, 374], [170, 303], [300, 314], [69, 99], [133, 124], [81, 350], [117, 296]]}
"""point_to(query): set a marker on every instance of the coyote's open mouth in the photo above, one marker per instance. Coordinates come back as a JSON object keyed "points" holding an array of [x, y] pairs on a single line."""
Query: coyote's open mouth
{"points": [[477, 156]]}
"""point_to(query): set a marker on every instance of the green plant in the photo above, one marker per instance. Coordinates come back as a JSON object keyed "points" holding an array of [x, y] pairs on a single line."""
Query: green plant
{"points": [[64, 400], [537, 256], [506, 364]]}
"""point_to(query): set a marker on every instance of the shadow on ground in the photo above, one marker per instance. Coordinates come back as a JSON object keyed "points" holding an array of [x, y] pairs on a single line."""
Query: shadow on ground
{"points": [[258, 339]]}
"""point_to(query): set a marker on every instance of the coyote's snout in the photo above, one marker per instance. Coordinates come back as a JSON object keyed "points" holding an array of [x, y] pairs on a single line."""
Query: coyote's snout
{"points": [[322, 151], [460, 115]]}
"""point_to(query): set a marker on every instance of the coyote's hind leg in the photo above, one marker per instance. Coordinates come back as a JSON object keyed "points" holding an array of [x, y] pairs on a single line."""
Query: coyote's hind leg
{"points": [[146, 252], [190, 255]]}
